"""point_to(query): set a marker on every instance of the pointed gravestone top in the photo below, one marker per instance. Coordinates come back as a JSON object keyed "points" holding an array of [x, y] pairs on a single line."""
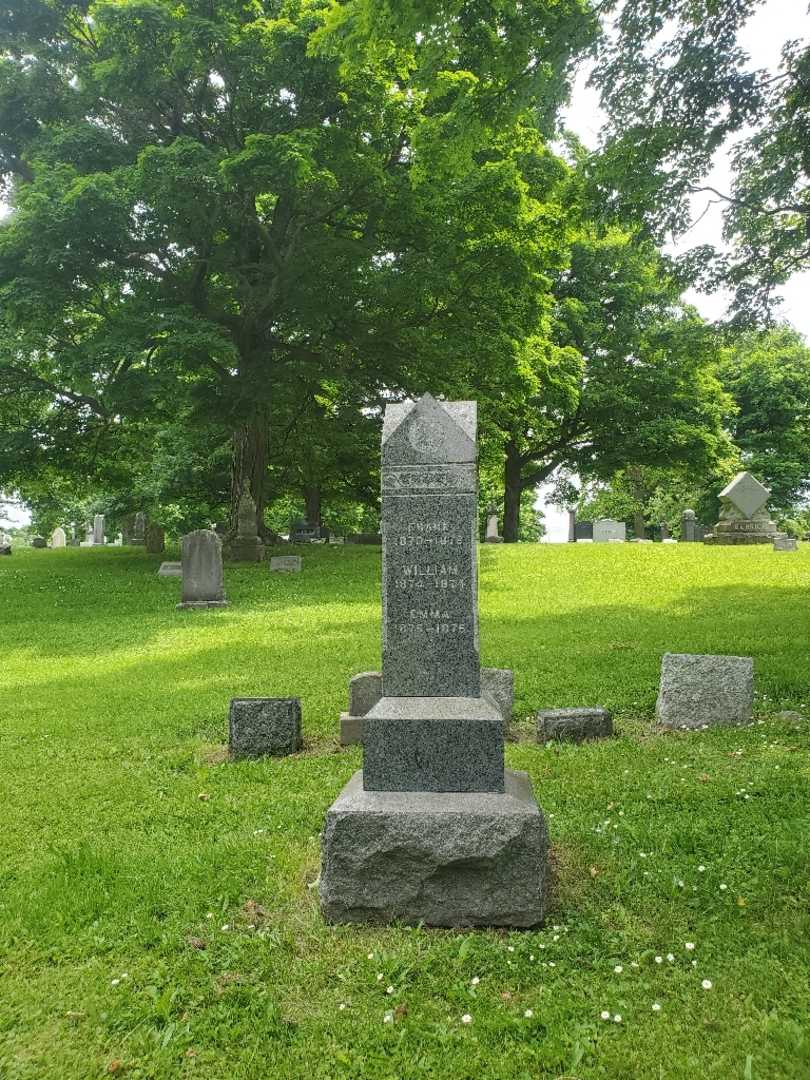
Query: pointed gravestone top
{"points": [[429, 432], [745, 494]]}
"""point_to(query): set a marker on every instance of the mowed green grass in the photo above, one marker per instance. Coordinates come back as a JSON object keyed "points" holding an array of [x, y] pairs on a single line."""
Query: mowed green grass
{"points": [[158, 907]]}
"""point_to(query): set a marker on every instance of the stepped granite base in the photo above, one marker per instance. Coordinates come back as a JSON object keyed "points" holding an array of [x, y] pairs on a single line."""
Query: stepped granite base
{"points": [[462, 859]]}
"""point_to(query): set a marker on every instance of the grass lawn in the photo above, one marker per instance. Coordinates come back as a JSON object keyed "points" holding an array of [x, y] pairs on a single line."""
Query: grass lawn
{"points": [[158, 915]]}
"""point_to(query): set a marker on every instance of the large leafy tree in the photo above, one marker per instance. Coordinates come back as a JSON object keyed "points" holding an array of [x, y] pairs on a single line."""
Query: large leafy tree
{"points": [[623, 375], [216, 203], [677, 86], [767, 374]]}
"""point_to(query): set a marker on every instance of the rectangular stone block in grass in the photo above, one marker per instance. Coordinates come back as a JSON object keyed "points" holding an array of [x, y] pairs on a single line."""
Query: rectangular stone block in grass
{"points": [[259, 727]]}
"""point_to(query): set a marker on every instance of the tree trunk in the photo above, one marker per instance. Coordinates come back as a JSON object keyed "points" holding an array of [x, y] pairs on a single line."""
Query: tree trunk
{"points": [[249, 462], [511, 495], [639, 525], [312, 503], [640, 494]]}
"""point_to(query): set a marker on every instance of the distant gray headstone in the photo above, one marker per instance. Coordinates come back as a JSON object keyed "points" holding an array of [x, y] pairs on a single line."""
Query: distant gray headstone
{"points": [[286, 564], [492, 536], [572, 526], [262, 726], [98, 529], [605, 529], [58, 538], [689, 527], [39, 542], [203, 584], [170, 569], [785, 543], [705, 691], [573, 725], [138, 537], [583, 530], [155, 539], [246, 546]]}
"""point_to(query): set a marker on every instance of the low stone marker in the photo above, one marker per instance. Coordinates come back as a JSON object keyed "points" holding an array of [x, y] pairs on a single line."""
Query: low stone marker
{"points": [[785, 543], [263, 726], [170, 569], [39, 542], [203, 585], [286, 564], [365, 690], [246, 545], [492, 536], [573, 725], [58, 538], [705, 691], [606, 530]]}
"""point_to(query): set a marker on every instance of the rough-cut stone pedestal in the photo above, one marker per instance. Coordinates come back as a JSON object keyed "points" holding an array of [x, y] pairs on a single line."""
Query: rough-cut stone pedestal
{"points": [[465, 859]]}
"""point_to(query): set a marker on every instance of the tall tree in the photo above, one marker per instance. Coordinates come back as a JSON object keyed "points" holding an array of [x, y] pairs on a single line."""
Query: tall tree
{"points": [[677, 86], [767, 375], [624, 375], [213, 201]]}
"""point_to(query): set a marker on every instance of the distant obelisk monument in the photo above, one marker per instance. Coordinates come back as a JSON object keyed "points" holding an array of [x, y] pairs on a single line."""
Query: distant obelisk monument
{"points": [[433, 829]]}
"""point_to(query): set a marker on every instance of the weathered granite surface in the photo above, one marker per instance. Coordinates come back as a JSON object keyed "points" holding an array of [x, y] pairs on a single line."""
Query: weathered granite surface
{"points": [[573, 725], [203, 583], [262, 726], [698, 690], [245, 546], [785, 543], [744, 517], [39, 542], [430, 532], [433, 744], [365, 690], [285, 564], [170, 569], [445, 860]]}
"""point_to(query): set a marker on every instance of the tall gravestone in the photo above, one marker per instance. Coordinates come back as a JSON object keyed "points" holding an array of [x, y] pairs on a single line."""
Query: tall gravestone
{"points": [[572, 526], [744, 517], [138, 535], [155, 540], [246, 545], [98, 529], [59, 537], [433, 829], [491, 536], [689, 527], [203, 584]]}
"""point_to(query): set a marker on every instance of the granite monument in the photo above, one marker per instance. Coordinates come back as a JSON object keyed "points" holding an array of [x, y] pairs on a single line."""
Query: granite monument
{"points": [[744, 518], [203, 585]]}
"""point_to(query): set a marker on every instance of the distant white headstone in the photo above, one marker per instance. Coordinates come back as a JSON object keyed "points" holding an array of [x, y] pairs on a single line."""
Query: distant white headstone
{"points": [[605, 529], [59, 538]]}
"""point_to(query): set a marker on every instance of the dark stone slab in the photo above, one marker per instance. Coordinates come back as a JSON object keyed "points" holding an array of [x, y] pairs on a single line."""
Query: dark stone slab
{"points": [[705, 691], [443, 860], [583, 530], [365, 690], [39, 542], [573, 725], [262, 726], [203, 584], [433, 744], [5, 549]]}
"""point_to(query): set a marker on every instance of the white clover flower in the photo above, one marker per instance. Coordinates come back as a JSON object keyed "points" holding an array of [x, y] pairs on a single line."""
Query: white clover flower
{"points": [[342, 1006], [706, 984], [528, 1014], [389, 990], [701, 868], [371, 956], [618, 969], [475, 980], [114, 982], [466, 1019], [689, 946], [605, 1014], [656, 1007], [723, 888], [659, 959], [226, 926], [670, 957], [510, 948], [617, 1019], [388, 1017], [379, 976]]}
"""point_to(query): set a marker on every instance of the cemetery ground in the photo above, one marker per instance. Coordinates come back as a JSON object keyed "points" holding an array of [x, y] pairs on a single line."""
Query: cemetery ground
{"points": [[158, 907]]}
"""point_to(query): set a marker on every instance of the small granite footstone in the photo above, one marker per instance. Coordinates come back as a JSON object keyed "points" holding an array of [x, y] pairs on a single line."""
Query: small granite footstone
{"points": [[5, 549], [698, 691], [262, 726], [433, 744], [170, 569], [365, 690], [39, 542], [573, 725], [498, 684], [785, 543], [286, 564], [444, 860]]}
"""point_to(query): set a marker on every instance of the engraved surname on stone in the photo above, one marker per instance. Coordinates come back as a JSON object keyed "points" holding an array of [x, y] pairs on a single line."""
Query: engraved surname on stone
{"points": [[427, 478]]}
